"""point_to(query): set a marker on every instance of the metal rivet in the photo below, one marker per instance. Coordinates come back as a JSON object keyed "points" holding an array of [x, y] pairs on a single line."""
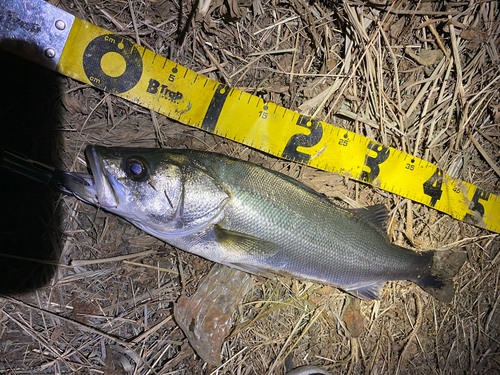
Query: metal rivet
{"points": [[60, 25], [50, 53]]}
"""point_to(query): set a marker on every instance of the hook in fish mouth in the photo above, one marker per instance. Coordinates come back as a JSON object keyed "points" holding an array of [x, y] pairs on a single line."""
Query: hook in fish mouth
{"points": [[71, 178], [80, 185], [97, 188]]}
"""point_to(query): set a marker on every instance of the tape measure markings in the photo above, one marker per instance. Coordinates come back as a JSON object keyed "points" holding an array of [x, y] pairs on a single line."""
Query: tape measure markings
{"points": [[212, 106]]}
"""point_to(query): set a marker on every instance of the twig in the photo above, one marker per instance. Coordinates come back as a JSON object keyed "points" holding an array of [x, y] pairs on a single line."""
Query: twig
{"points": [[422, 12], [81, 263], [82, 326], [151, 267], [413, 334], [485, 155]]}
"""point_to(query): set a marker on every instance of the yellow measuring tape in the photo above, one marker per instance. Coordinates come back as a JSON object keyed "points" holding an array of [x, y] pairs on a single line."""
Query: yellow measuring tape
{"points": [[117, 65]]}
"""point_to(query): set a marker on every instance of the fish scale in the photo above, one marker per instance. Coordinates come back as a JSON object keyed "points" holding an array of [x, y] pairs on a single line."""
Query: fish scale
{"points": [[257, 220], [324, 242]]}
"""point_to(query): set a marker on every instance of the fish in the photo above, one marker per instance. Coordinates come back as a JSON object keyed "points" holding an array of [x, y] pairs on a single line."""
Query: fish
{"points": [[257, 220], [308, 370]]}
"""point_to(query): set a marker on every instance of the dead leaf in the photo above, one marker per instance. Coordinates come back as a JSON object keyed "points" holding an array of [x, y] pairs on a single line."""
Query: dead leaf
{"points": [[495, 112], [397, 27], [234, 9], [475, 38], [425, 57], [73, 104], [82, 308], [430, 22], [325, 290], [113, 365], [352, 317]]}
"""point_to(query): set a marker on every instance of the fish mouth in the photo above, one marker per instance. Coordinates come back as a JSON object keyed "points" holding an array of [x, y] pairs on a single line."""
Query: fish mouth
{"points": [[97, 188], [104, 184]]}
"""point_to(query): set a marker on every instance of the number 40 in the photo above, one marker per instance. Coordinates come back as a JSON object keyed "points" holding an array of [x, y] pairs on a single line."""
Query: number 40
{"points": [[433, 186]]}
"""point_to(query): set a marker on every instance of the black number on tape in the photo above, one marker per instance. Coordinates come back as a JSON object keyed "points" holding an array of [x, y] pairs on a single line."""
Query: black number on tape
{"points": [[373, 162], [98, 48], [477, 207], [432, 187], [410, 166], [302, 140], [215, 108]]}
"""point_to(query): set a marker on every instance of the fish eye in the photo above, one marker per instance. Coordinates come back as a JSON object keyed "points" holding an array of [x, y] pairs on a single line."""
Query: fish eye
{"points": [[136, 168]]}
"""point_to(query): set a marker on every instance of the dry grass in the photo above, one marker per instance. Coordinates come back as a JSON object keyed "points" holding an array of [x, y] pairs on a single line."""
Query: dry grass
{"points": [[399, 74]]}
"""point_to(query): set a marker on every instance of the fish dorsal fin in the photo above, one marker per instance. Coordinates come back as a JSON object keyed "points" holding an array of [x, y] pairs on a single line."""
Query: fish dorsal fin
{"points": [[296, 183], [377, 215], [368, 292], [242, 244]]}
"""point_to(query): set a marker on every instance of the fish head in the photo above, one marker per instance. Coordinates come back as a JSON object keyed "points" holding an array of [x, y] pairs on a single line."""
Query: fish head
{"points": [[159, 191]]}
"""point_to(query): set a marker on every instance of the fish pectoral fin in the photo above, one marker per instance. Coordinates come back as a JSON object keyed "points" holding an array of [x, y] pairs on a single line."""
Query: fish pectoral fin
{"points": [[368, 292], [242, 244], [253, 269]]}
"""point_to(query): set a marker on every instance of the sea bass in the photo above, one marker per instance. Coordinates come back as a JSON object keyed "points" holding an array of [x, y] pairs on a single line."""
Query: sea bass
{"points": [[254, 219]]}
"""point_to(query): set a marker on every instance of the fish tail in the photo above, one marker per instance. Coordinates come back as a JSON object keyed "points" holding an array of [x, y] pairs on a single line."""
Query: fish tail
{"points": [[439, 281]]}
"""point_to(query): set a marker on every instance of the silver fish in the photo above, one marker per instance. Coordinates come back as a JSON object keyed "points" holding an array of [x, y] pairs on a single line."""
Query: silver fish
{"points": [[257, 220], [308, 370]]}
